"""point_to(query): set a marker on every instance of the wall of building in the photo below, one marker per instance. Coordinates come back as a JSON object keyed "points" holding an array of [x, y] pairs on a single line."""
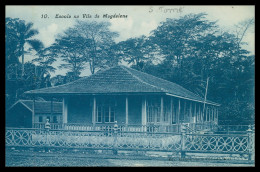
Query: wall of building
{"points": [[134, 110], [80, 110], [120, 115], [44, 117], [19, 116]]}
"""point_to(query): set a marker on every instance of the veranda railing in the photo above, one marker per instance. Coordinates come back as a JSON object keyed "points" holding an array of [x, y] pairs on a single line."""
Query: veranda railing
{"points": [[108, 127], [174, 128]]}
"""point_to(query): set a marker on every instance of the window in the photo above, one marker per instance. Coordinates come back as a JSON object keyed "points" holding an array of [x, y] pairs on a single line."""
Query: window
{"points": [[174, 113], [99, 114], [48, 117], [105, 112], [153, 114], [150, 116], [158, 113], [166, 112], [40, 118], [55, 120], [112, 114]]}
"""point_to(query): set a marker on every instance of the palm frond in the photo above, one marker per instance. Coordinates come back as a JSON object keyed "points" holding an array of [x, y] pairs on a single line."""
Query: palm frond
{"points": [[35, 44], [31, 33]]}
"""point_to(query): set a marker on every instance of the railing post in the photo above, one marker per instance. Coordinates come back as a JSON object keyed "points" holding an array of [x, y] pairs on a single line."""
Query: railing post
{"points": [[47, 127], [115, 132], [251, 146], [183, 140]]}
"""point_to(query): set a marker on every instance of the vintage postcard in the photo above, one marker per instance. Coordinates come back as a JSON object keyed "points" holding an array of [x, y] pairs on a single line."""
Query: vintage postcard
{"points": [[129, 86]]}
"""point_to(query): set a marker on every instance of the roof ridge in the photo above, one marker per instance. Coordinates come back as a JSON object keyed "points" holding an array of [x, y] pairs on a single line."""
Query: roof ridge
{"points": [[126, 69]]}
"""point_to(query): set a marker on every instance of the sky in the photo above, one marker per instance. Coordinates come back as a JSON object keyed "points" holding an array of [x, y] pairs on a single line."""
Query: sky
{"points": [[140, 20]]}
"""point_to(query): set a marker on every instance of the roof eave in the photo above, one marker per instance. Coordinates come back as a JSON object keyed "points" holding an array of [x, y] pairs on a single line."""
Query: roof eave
{"points": [[211, 103], [107, 93]]}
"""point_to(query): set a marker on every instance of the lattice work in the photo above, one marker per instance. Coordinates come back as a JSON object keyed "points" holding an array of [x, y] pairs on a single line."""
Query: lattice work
{"points": [[217, 143], [149, 141], [131, 140]]}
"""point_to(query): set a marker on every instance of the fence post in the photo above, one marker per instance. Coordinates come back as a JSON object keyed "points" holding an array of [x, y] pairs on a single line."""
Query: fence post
{"points": [[115, 132], [251, 146], [47, 127], [183, 141]]}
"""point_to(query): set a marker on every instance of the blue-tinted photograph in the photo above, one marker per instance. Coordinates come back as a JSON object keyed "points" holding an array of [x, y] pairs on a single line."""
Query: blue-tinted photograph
{"points": [[129, 86]]}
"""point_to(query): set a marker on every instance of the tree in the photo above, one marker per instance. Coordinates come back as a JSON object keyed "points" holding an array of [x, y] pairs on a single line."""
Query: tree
{"points": [[22, 33], [45, 59], [178, 42], [69, 47], [58, 80], [100, 40], [111, 56], [137, 51], [18, 34], [86, 43], [11, 49], [174, 36], [242, 28]]}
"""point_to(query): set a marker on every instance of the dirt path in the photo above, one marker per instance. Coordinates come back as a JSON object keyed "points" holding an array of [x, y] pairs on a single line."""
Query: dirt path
{"points": [[69, 159]]}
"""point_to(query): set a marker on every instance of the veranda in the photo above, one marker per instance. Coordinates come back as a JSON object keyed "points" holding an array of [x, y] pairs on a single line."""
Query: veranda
{"points": [[146, 113]]}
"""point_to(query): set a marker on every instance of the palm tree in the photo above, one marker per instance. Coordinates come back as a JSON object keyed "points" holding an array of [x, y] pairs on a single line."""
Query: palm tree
{"points": [[24, 34]]}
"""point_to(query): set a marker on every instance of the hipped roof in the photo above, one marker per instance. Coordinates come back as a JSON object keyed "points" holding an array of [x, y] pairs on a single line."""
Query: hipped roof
{"points": [[120, 80]]}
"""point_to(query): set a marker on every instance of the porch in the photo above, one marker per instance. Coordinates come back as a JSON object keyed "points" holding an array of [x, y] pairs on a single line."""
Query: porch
{"points": [[134, 113]]}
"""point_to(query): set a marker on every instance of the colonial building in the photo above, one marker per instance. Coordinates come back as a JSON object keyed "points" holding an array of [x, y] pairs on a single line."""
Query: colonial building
{"points": [[135, 100], [25, 113]]}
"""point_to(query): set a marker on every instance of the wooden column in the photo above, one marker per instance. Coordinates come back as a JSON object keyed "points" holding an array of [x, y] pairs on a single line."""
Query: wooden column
{"points": [[217, 116], [212, 114], [94, 111], [126, 110], [199, 116], [184, 111], [144, 115], [33, 113], [65, 110], [161, 114], [195, 112], [51, 108], [171, 113], [210, 117], [206, 113], [209, 114], [190, 114], [179, 111], [202, 114]]}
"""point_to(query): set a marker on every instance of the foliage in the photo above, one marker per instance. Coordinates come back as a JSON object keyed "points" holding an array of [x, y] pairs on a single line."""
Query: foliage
{"points": [[18, 33], [98, 47], [22, 76], [137, 51], [194, 49]]}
